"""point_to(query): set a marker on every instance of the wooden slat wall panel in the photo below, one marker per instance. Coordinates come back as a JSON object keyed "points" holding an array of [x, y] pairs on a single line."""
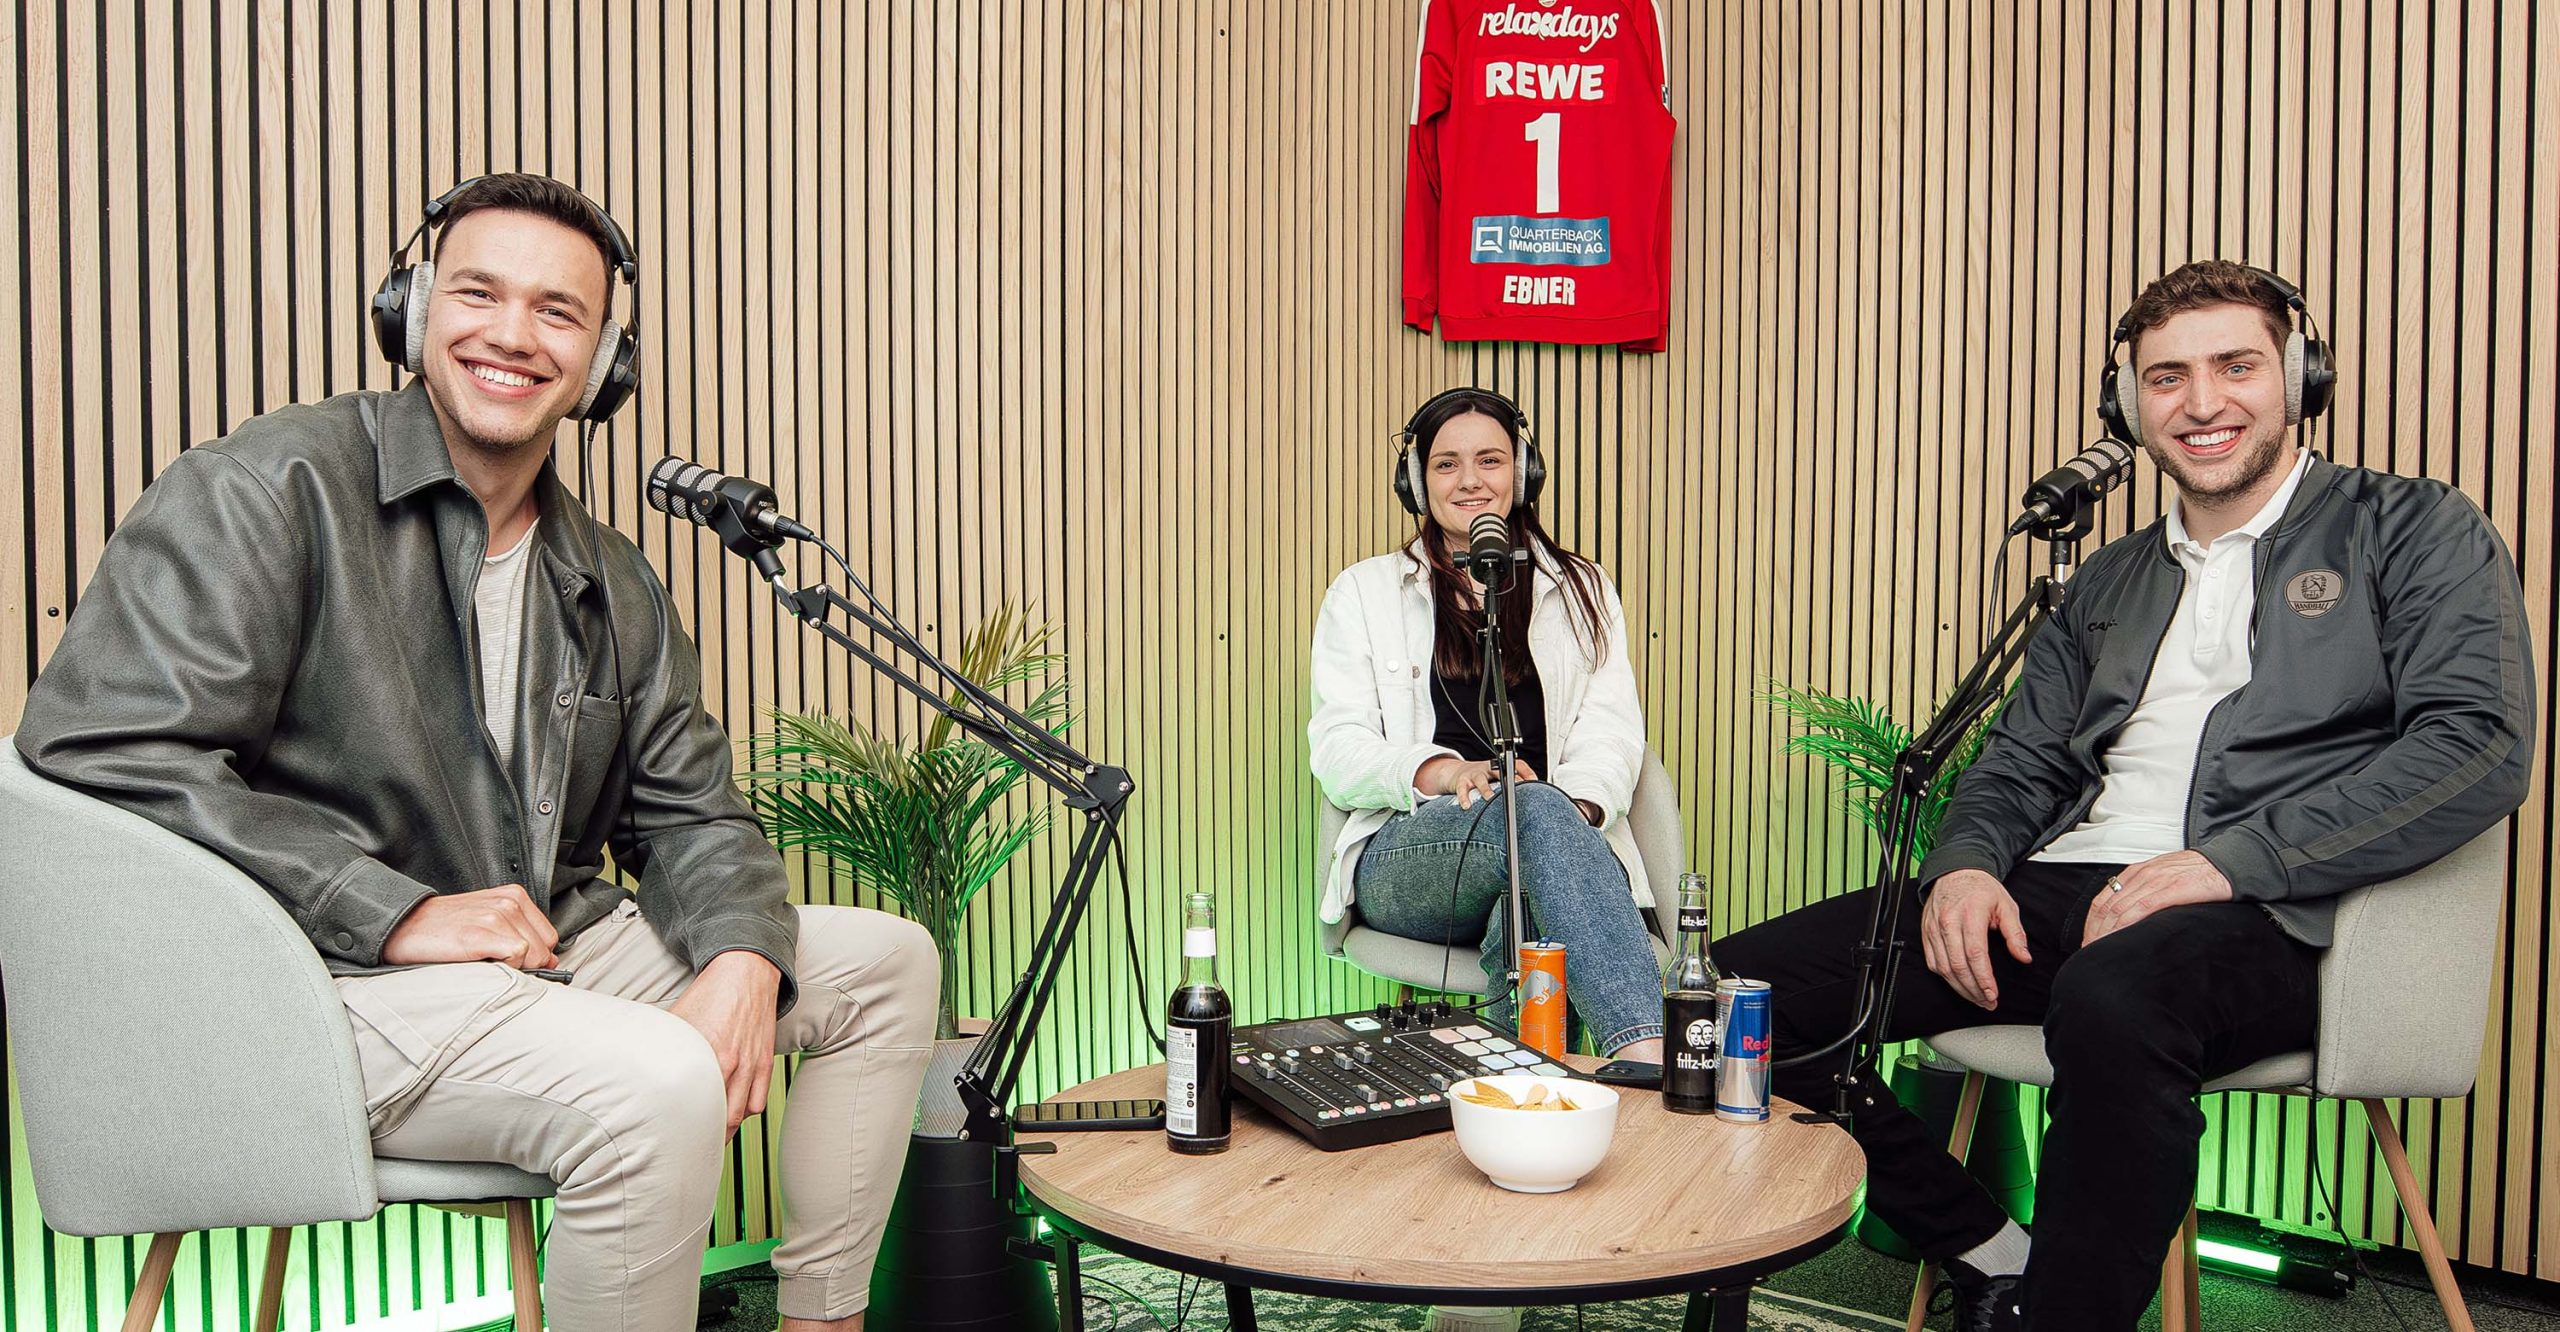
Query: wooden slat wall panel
{"points": [[1090, 304]]}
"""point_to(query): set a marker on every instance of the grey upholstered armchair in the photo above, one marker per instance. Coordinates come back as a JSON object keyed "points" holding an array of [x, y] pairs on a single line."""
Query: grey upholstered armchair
{"points": [[2404, 1005], [183, 1060]]}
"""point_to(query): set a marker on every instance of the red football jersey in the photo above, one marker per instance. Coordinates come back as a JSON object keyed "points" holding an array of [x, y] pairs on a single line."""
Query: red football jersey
{"points": [[1538, 172]]}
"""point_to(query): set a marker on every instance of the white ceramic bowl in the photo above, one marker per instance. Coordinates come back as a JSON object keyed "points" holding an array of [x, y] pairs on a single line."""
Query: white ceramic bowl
{"points": [[1536, 1151]]}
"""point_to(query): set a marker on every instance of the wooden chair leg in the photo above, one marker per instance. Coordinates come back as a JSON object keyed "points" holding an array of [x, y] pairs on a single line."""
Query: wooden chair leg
{"points": [[521, 1272], [2181, 1306], [2413, 1204], [1922, 1286], [2195, 1273], [1959, 1146], [148, 1288], [271, 1284], [1968, 1109]]}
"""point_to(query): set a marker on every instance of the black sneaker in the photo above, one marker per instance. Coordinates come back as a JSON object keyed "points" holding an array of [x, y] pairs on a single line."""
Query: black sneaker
{"points": [[1986, 1303]]}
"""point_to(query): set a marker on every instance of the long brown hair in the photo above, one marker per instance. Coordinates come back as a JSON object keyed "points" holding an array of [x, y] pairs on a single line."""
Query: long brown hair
{"points": [[1455, 623]]}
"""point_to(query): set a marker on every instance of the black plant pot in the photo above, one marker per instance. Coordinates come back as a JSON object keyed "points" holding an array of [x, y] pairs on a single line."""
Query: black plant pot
{"points": [[943, 1263]]}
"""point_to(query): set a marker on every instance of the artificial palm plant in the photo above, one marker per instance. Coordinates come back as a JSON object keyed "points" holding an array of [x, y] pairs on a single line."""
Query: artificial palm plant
{"points": [[1862, 741], [925, 823]]}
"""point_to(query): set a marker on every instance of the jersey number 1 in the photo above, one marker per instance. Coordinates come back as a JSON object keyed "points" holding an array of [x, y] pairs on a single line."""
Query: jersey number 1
{"points": [[1547, 132]]}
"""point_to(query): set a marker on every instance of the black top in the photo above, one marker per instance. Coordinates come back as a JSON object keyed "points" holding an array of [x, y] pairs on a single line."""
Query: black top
{"points": [[1457, 726]]}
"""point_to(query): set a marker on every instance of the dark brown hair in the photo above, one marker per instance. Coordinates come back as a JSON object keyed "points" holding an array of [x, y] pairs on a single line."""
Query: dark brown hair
{"points": [[543, 197], [1454, 623], [2202, 285]]}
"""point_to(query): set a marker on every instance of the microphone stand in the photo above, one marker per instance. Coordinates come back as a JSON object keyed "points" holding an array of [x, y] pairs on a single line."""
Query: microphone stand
{"points": [[1502, 729], [1915, 772], [986, 1082]]}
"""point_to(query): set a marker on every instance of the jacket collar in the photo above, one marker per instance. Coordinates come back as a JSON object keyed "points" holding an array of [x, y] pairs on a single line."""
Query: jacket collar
{"points": [[408, 443], [410, 456], [2308, 494]]}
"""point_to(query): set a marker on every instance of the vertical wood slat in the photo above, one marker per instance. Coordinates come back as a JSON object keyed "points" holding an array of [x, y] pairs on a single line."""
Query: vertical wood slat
{"points": [[941, 272]]}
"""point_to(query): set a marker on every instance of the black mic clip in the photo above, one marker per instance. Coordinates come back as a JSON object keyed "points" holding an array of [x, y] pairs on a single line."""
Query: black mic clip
{"points": [[1492, 568], [2045, 524], [745, 518]]}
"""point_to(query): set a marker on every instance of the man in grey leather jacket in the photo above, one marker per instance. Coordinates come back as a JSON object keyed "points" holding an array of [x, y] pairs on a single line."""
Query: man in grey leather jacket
{"points": [[2303, 678], [372, 651]]}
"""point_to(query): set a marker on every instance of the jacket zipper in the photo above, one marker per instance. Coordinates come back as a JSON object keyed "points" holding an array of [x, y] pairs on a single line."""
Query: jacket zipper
{"points": [[2261, 558], [2150, 662]]}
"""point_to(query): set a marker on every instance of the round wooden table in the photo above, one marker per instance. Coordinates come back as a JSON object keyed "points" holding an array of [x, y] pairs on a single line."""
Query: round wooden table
{"points": [[1683, 1203]]}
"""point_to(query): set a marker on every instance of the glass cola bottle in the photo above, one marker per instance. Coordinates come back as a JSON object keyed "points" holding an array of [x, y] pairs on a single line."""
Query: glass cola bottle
{"points": [[1690, 1042], [1199, 1028]]}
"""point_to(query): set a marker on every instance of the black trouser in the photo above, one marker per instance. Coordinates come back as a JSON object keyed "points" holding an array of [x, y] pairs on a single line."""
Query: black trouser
{"points": [[2134, 1025]]}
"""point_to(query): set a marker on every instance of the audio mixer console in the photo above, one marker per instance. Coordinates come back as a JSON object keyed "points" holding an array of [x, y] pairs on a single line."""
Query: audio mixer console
{"points": [[1361, 1078]]}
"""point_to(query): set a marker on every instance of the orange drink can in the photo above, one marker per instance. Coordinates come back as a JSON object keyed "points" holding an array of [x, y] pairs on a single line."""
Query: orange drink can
{"points": [[1542, 997]]}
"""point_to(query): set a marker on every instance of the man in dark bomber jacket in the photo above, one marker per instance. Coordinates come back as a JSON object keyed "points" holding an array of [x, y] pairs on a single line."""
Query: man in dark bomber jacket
{"points": [[2302, 679], [372, 652]]}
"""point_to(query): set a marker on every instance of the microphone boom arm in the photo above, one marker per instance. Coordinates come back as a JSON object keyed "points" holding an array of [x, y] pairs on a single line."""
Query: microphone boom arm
{"points": [[1915, 771], [986, 1083]]}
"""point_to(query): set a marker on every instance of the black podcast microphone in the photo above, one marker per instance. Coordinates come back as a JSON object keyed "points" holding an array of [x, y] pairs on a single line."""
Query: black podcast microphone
{"points": [[1489, 547], [2087, 477], [741, 512]]}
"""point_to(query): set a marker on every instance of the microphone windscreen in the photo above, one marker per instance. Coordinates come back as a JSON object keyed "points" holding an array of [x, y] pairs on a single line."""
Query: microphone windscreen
{"points": [[674, 485]]}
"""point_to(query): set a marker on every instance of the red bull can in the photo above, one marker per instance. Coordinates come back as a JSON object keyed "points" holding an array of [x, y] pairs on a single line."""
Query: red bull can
{"points": [[1542, 997], [1742, 1072]]}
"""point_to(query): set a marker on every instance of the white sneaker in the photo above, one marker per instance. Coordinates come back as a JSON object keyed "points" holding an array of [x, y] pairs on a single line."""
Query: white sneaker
{"points": [[1454, 1318]]}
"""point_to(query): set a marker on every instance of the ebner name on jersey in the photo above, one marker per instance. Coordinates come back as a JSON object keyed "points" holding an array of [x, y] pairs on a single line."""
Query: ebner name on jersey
{"points": [[1561, 24]]}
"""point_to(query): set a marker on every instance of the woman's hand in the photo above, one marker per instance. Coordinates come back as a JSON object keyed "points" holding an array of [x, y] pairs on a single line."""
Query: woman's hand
{"points": [[1466, 779]]}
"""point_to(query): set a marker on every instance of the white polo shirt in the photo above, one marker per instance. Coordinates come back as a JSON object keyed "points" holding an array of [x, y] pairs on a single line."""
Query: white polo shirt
{"points": [[2141, 809]]}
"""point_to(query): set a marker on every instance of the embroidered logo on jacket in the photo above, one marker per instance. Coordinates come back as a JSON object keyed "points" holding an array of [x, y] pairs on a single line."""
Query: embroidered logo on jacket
{"points": [[2314, 593]]}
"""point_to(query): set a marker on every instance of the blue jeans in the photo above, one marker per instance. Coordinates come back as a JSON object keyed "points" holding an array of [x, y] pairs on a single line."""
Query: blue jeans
{"points": [[1410, 883]]}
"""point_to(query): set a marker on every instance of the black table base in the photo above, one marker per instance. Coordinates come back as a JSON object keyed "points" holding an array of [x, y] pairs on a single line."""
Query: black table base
{"points": [[1719, 1301]]}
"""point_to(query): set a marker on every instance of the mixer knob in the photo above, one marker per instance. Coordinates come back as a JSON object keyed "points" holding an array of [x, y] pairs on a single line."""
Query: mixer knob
{"points": [[1270, 1071], [1342, 1060], [1367, 1055], [1439, 1082], [1364, 1091], [1385, 1013], [1291, 1063]]}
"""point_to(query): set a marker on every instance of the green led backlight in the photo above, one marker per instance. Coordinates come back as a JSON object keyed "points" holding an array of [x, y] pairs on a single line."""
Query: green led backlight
{"points": [[2237, 1256]]}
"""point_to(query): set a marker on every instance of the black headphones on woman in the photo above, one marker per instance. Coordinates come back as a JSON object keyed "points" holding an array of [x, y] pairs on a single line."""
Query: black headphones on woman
{"points": [[399, 312], [2310, 369], [1405, 477]]}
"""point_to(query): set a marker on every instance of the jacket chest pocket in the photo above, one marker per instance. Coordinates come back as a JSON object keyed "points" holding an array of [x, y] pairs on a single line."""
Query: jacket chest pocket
{"points": [[1401, 699], [594, 733]]}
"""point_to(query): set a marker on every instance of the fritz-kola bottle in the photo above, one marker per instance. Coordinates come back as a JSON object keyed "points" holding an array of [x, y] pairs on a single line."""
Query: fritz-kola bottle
{"points": [[1690, 1043], [1199, 1027]]}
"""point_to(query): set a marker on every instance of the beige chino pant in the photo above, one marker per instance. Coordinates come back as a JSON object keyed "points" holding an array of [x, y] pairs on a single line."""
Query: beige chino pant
{"points": [[595, 1085]]}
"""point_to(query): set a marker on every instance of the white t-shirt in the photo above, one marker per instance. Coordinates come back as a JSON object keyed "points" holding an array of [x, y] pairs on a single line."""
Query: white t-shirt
{"points": [[498, 608], [2141, 810]]}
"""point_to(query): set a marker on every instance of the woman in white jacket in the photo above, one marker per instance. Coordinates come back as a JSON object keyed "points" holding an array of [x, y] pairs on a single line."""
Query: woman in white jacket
{"points": [[1396, 738]]}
